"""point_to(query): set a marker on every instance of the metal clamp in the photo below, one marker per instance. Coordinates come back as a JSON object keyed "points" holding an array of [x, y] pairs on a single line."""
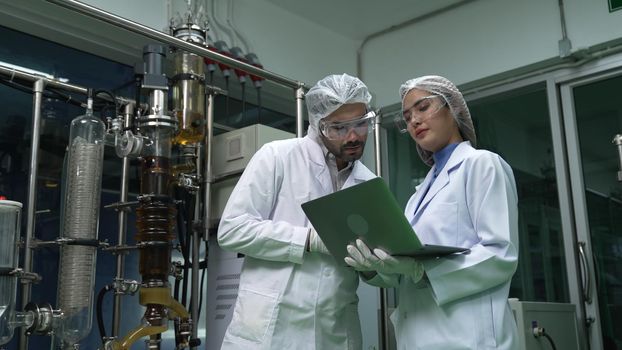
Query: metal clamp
{"points": [[25, 277], [125, 206], [177, 269], [125, 287], [120, 249], [35, 243], [157, 120], [128, 145], [188, 181], [44, 317]]}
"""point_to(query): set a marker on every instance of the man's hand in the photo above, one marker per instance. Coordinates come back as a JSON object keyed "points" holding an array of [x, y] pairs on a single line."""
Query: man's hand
{"points": [[315, 244]]}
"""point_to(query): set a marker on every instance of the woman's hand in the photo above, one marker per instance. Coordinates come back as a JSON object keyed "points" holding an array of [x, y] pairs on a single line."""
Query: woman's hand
{"points": [[361, 258]]}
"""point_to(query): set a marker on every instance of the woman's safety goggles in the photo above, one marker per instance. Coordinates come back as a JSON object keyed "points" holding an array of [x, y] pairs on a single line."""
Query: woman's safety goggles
{"points": [[422, 110], [339, 130]]}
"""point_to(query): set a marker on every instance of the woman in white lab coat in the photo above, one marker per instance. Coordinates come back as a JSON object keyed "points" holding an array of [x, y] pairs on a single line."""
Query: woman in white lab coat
{"points": [[467, 199]]}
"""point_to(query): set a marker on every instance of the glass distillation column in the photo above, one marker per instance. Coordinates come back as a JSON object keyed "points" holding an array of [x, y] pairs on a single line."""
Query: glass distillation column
{"points": [[10, 223], [80, 220], [189, 87], [188, 101], [156, 213]]}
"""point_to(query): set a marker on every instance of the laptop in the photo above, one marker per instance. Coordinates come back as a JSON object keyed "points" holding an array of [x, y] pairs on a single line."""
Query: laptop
{"points": [[370, 212]]}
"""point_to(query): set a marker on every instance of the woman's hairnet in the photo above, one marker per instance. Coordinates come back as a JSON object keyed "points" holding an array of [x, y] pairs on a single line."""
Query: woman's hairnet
{"points": [[331, 93], [457, 105]]}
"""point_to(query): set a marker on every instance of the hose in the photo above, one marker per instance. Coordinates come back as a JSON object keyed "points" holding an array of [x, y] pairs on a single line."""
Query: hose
{"points": [[100, 316], [548, 337]]}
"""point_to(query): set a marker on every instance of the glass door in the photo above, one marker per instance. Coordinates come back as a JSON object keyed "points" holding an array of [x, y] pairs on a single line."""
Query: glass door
{"points": [[592, 117]]}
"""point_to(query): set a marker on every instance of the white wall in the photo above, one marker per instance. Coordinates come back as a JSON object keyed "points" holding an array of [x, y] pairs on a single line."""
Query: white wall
{"points": [[483, 38], [293, 46], [152, 13]]}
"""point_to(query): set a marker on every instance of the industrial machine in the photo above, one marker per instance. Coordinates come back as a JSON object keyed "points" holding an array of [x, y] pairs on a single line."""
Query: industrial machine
{"points": [[544, 325]]}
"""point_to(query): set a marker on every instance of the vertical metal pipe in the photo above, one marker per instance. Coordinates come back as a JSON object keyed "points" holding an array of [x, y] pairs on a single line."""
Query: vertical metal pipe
{"points": [[196, 244], [617, 140], [300, 96], [207, 178], [384, 301], [377, 145], [125, 177], [37, 98]]}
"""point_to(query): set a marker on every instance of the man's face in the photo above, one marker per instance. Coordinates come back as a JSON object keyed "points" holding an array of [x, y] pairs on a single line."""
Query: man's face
{"points": [[350, 145]]}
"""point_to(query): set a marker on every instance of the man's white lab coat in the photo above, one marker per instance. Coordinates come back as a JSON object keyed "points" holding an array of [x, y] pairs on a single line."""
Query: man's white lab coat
{"points": [[288, 298]]}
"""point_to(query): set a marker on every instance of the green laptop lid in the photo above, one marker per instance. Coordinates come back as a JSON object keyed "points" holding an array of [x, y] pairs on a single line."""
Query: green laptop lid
{"points": [[370, 212]]}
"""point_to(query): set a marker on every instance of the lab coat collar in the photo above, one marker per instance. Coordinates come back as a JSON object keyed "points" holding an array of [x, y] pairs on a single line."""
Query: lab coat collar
{"points": [[442, 179], [317, 158], [360, 173], [317, 161]]}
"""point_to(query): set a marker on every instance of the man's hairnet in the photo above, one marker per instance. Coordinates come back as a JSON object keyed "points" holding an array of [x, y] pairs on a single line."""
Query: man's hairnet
{"points": [[443, 87], [331, 93]]}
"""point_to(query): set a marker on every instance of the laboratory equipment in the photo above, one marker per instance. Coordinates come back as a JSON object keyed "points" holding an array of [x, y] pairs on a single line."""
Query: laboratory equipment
{"points": [[80, 219], [556, 320], [10, 222], [189, 87]]}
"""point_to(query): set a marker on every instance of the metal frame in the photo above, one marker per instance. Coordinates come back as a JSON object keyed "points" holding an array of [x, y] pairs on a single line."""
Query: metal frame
{"points": [[578, 193], [569, 176], [151, 33], [562, 173]]}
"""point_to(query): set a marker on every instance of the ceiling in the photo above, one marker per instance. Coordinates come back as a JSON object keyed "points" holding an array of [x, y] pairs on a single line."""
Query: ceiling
{"points": [[356, 19]]}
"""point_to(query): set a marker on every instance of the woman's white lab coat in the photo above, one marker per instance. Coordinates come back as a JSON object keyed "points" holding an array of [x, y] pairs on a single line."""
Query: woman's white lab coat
{"points": [[288, 298], [462, 304]]}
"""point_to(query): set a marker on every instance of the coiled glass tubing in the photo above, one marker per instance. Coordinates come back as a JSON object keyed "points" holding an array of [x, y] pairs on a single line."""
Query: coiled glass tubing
{"points": [[81, 212]]}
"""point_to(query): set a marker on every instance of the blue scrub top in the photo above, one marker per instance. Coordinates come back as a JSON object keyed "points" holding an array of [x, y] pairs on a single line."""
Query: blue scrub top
{"points": [[441, 157]]}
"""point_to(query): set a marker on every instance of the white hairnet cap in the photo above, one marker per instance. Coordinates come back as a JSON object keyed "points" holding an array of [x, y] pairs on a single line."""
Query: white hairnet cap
{"points": [[331, 93], [457, 105]]}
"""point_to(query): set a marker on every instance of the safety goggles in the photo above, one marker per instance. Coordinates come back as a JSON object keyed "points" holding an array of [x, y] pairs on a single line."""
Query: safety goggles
{"points": [[422, 110], [339, 130]]}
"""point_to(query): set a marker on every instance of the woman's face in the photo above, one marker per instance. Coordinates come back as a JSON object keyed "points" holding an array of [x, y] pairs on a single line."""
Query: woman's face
{"points": [[429, 120]]}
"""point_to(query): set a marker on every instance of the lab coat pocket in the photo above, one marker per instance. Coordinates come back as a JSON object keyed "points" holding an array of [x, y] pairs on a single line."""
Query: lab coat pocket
{"points": [[254, 312], [442, 221]]}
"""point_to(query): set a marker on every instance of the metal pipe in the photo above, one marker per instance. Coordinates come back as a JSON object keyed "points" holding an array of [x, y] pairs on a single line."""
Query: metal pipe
{"points": [[617, 140], [125, 177], [562, 19], [37, 99], [359, 51], [132, 26], [196, 244], [377, 145], [12, 73], [384, 300], [300, 96], [207, 178], [209, 134]]}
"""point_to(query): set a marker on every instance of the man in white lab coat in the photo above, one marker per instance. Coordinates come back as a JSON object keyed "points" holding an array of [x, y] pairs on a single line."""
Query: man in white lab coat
{"points": [[293, 294]]}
